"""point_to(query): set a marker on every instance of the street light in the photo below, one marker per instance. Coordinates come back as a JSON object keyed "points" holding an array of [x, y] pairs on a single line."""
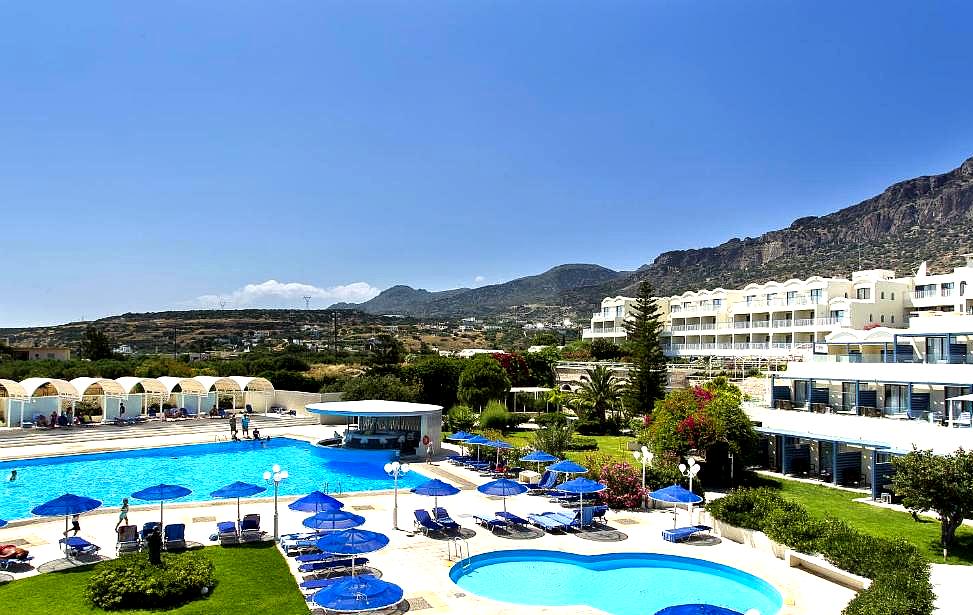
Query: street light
{"points": [[277, 476], [690, 471], [395, 470], [645, 456]]}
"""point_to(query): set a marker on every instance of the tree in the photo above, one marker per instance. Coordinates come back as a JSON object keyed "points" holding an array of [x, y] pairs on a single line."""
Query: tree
{"points": [[541, 365], [605, 350], [439, 379], [647, 377], [554, 439], [941, 483], [482, 380], [387, 349], [387, 387], [546, 338], [598, 394], [95, 344]]}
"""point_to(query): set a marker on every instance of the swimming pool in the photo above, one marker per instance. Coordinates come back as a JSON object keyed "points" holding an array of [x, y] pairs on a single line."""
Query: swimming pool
{"points": [[617, 583], [201, 467]]}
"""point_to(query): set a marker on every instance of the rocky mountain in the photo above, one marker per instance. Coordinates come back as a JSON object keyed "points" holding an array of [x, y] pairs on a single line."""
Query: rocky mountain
{"points": [[543, 289]]}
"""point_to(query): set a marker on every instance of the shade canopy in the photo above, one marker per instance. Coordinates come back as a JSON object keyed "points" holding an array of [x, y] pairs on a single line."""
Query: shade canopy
{"points": [[435, 488], [238, 490], [477, 440], [333, 519], [674, 494], [374, 408], [460, 435], [361, 593], [314, 502], [567, 467], [503, 487], [697, 609], [352, 542], [2, 523], [67, 504], [498, 444], [539, 457], [581, 485], [161, 493]]}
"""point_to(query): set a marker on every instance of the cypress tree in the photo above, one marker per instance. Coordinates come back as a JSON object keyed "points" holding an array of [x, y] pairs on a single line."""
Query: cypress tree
{"points": [[647, 378]]}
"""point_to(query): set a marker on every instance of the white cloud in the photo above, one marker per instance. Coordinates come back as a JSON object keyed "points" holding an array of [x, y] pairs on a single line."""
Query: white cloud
{"points": [[288, 294], [478, 279]]}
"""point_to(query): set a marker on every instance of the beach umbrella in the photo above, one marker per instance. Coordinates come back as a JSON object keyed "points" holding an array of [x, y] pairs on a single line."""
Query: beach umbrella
{"points": [[461, 437], [674, 494], [354, 594], [539, 457], [237, 490], [314, 502], [498, 444], [435, 488], [352, 542], [66, 505], [161, 493], [2, 523], [478, 441], [697, 609], [582, 486], [567, 467], [335, 519], [502, 487]]}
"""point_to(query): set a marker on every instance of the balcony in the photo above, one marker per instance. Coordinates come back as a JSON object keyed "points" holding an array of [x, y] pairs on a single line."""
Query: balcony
{"points": [[709, 326], [779, 302], [924, 293]]}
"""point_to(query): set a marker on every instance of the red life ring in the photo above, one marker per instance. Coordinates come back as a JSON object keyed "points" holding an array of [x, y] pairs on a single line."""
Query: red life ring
{"points": [[425, 440]]}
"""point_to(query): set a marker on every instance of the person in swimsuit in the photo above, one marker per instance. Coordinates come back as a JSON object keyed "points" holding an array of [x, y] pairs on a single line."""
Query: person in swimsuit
{"points": [[122, 514], [75, 525]]}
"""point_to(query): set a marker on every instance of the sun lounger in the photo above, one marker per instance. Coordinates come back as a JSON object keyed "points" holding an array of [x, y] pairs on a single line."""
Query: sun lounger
{"points": [[226, 532], [427, 524], [299, 542], [250, 527], [458, 459], [174, 536], [547, 523], [599, 511], [147, 529], [331, 565], [128, 539], [493, 524], [511, 518], [442, 518], [545, 483], [580, 519], [12, 556], [76, 545], [680, 534]]}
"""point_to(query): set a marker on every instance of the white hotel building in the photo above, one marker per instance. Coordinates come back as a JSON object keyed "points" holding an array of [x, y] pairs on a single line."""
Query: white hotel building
{"points": [[784, 320]]}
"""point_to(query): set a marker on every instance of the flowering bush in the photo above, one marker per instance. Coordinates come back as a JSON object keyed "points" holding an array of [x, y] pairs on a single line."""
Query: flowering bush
{"points": [[698, 431], [623, 485]]}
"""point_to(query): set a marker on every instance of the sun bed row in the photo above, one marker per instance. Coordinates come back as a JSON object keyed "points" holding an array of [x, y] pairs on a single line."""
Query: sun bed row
{"points": [[130, 539], [227, 532]]}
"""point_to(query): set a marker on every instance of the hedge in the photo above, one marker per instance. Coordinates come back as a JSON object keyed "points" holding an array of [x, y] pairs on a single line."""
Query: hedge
{"points": [[131, 582], [899, 573]]}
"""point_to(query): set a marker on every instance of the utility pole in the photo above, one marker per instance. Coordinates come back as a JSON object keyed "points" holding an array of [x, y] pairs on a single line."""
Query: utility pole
{"points": [[307, 302], [334, 331]]}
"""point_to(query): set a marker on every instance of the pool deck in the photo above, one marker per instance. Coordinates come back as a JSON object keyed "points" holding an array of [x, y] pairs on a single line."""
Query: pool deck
{"points": [[419, 563]]}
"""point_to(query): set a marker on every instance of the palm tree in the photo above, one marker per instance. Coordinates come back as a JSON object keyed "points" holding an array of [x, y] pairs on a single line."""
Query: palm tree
{"points": [[598, 394]]}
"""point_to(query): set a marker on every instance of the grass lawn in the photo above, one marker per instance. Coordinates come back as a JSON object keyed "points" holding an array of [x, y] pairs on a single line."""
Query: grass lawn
{"points": [[611, 446], [823, 501], [251, 579]]}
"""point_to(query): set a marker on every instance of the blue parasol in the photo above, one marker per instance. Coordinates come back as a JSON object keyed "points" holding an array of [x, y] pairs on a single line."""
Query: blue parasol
{"points": [[161, 493], [2, 523], [502, 487], [478, 441], [67, 504], [354, 594], [460, 435], [314, 502], [674, 494], [540, 457], [237, 490], [567, 467], [697, 609], [581, 486], [352, 542], [498, 444], [435, 488], [335, 519]]}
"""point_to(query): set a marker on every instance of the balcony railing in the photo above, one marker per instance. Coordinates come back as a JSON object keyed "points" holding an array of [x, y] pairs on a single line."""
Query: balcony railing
{"points": [[924, 293], [779, 302]]}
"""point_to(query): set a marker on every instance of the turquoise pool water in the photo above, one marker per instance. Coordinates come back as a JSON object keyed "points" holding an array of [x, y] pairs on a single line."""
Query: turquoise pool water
{"points": [[618, 583], [201, 467]]}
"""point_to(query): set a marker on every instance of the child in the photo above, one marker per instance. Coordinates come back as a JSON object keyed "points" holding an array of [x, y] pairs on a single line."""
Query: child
{"points": [[122, 514]]}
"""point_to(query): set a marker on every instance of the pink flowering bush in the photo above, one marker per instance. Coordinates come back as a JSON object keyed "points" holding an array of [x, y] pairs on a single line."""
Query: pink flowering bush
{"points": [[623, 485]]}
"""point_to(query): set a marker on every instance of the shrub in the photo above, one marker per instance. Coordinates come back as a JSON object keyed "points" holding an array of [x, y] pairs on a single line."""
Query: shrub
{"points": [[495, 416], [746, 508], [460, 418], [589, 427], [793, 526], [583, 443], [550, 418], [131, 582], [623, 485]]}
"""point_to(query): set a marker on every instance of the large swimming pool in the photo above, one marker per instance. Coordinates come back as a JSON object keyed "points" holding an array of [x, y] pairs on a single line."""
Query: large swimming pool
{"points": [[201, 467], [617, 583]]}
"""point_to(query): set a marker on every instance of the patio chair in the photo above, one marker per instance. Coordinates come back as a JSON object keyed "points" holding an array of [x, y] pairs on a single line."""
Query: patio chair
{"points": [[426, 524], [300, 542], [492, 524], [147, 528], [128, 539], [547, 481], [76, 545], [582, 518], [250, 527], [598, 512], [226, 532], [680, 534], [174, 536], [965, 419], [12, 556], [547, 522], [511, 518], [442, 518]]}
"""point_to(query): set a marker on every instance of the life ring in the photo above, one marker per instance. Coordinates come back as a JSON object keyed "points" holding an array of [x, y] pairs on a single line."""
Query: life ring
{"points": [[425, 440]]}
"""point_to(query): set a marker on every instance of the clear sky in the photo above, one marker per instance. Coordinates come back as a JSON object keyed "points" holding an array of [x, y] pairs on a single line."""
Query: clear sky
{"points": [[176, 154]]}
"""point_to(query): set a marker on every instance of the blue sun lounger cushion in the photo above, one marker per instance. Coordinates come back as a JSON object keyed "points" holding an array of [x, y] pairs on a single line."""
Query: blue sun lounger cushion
{"points": [[682, 533], [175, 536], [442, 517], [426, 524], [335, 564], [76, 545], [493, 524], [511, 518], [545, 521]]}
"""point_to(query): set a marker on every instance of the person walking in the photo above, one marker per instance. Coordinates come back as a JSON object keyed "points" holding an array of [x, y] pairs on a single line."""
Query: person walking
{"points": [[233, 427], [122, 514], [75, 525], [245, 422]]}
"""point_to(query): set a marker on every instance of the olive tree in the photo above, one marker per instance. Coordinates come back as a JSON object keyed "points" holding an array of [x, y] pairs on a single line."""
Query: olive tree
{"points": [[941, 483]]}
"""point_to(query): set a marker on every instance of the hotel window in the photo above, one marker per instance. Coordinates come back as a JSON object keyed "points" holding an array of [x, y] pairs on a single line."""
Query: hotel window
{"points": [[893, 318], [750, 299], [882, 317], [893, 296], [771, 297], [686, 305], [620, 310], [717, 303], [863, 293], [895, 398], [883, 294], [967, 406], [791, 297], [816, 294], [847, 395], [936, 350], [962, 289], [947, 289]]}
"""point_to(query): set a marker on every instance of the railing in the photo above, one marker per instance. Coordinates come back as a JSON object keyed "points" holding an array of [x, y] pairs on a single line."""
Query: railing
{"points": [[760, 324], [783, 323], [924, 293], [738, 346], [741, 324], [780, 302]]}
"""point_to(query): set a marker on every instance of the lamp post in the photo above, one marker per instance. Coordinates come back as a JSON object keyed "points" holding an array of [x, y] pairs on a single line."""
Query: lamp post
{"points": [[644, 456], [690, 470], [277, 475], [395, 470]]}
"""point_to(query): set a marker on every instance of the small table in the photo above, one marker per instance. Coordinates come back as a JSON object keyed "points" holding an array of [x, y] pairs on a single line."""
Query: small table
{"points": [[528, 476]]}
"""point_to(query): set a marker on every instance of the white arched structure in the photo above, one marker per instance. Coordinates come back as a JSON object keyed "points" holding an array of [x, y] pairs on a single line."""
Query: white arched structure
{"points": [[13, 398], [108, 394], [188, 393], [214, 386], [258, 392], [45, 395], [140, 393]]}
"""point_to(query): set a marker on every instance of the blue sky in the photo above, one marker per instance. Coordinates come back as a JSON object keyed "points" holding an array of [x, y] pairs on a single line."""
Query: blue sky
{"points": [[177, 154]]}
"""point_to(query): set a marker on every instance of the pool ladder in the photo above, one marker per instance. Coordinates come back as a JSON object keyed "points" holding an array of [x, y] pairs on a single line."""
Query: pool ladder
{"points": [[455, 547], [327, 488]]}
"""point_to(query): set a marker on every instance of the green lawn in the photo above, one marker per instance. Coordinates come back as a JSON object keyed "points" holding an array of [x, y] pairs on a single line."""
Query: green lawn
{"points": [[612, 446], [251, 579], [823, 501]]}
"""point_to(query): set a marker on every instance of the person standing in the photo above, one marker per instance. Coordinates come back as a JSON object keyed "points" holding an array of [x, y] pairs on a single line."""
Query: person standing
{"points": [[122, 514], [233, 427], [245, 423], [13, 476]]}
